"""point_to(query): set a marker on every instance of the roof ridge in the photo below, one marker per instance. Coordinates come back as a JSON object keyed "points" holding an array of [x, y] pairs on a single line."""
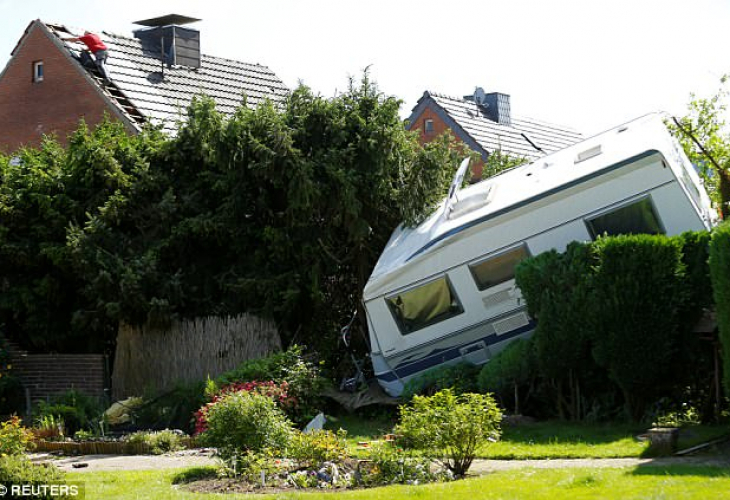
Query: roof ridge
{"points": [[518, 117]]}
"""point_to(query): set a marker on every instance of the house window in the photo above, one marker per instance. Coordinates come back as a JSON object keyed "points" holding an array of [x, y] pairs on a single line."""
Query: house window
{"points": [[498, 269], [428, 126], [38, 71], [636, 218], [424, 305]]}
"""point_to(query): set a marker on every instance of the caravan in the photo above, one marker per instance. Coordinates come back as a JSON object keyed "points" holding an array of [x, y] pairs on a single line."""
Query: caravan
{"points": [[444, 292]]}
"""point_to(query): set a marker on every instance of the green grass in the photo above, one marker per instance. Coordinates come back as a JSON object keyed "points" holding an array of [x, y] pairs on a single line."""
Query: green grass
{"points": [[627, 483], [550, 439]]}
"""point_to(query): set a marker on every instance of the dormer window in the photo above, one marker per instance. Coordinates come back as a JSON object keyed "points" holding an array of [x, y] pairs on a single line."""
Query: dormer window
{"points": [[38, 71], [428, 126]]}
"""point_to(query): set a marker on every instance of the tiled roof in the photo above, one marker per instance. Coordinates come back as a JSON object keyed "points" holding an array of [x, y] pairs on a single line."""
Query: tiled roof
{"points": [[491, 135], [138, 78]]}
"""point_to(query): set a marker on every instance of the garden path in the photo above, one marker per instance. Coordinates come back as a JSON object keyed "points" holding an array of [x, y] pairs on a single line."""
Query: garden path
{"points": [[194, 458]]}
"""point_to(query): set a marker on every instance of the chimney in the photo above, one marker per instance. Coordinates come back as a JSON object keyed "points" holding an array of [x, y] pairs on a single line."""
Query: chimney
{"points": [[494, 105], [166, 40]]}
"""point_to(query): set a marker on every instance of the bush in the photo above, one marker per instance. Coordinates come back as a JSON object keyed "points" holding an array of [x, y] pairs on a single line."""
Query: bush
{"points": [[243, 422], [14, 438], [304, 380], [639, 292], [461, 377], [17, 469], [720, 274], [12, 395], [156, 443], [390, 465], [173, 409], [313, 448], [277, 393], [77, 411], [450, 428], [511, 368], [557, 288]]}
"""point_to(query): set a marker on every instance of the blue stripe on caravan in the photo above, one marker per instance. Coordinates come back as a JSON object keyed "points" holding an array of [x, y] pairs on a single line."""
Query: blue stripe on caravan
{"points": [[437, 357]]}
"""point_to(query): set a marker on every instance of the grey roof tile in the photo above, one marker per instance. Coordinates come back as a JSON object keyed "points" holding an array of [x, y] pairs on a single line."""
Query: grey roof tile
{"points": [[138, 76], [491, 135]]}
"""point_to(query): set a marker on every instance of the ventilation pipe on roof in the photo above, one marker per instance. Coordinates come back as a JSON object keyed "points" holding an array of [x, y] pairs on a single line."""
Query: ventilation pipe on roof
{"points": [[166, 40], [494, 105]]}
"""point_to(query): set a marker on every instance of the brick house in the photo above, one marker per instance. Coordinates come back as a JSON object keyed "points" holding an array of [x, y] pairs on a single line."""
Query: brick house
{"points": [[483, 122], [49, 84]]}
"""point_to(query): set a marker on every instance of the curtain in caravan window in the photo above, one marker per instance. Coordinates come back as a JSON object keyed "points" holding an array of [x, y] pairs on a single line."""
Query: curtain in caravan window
{"points": [[425, 305]]}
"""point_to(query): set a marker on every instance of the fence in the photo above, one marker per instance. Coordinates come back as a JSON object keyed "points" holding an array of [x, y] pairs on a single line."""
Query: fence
{"points": [[153, 360]]}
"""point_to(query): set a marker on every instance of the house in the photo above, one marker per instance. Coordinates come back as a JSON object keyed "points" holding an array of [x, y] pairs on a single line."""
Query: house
{"points": [[49, 84], [483, 121]]}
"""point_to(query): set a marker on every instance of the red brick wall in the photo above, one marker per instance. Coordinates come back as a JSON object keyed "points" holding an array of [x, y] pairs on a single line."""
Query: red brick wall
{"points": [[46, 375], [439, 127], [29, 109]]}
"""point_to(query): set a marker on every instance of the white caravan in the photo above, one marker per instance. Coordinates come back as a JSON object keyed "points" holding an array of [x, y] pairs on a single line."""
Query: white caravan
{"points": [[444, 291]]}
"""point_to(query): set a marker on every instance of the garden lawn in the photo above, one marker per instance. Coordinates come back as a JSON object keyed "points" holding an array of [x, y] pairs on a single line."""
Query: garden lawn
{"points": [[550, 439], [626, 483]]}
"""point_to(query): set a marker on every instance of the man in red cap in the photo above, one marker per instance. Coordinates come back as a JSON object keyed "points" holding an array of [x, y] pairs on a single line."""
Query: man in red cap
{"points": [[96, 47]]}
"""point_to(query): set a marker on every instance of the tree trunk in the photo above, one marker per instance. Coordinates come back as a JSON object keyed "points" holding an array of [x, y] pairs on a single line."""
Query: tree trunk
{"points": [[724, 189]]}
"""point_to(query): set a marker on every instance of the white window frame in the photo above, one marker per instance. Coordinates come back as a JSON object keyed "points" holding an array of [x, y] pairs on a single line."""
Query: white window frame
{"points": [[38, 71]]}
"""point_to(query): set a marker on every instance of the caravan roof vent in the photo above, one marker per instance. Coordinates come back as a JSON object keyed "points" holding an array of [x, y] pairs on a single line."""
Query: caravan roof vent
{"points": [[165, 39]]}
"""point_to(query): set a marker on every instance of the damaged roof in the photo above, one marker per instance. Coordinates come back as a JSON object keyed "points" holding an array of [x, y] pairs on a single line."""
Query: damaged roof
{"points": [[521, 138], [145, 90]]}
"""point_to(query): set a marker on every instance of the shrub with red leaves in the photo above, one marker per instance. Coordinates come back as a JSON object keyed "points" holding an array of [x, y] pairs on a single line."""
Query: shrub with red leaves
{"points": [[279, 393]]}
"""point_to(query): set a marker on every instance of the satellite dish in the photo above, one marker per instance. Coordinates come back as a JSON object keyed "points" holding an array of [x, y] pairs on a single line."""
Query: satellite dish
{"points": [[480, 96]]}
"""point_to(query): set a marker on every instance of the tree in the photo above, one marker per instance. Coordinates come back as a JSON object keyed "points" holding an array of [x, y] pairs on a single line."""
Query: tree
{"points": [[279, 210], [705, 136]]}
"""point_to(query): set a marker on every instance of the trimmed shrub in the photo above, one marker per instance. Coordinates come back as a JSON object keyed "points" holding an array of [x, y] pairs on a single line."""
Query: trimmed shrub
{"points": [[18, 469], [450, 428], [460, 377], [558, 291], [242, 422], [639, 292], [720, 274]]}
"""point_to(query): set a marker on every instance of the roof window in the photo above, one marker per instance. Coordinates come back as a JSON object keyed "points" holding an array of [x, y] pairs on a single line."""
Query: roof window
{"points": [[37, 71], [428, 126]]}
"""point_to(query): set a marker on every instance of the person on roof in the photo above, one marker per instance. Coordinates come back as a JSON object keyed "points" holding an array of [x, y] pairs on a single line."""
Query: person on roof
{"points": [[96, 47]]}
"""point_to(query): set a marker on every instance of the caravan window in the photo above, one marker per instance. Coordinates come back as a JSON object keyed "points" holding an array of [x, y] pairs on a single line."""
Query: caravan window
{"points": [[637, 218], [498, 269], [424, 306]]}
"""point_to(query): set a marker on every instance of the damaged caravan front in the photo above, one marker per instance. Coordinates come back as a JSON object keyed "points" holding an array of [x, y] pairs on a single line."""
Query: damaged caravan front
{"points": [[444, 292]]}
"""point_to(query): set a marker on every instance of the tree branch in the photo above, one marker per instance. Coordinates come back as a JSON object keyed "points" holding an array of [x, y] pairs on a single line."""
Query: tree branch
{"points": [[697, 142]]}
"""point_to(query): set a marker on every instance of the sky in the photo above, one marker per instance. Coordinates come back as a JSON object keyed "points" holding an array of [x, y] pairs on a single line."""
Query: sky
{"points": [[587, 64]]}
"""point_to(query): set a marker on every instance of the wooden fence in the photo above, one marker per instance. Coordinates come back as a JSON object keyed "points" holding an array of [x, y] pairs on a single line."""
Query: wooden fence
{"points": [[153, 360]]}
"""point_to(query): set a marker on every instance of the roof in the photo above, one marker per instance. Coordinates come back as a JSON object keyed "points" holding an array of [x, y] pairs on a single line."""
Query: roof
{"points": [[143, 94], [469, 122]]}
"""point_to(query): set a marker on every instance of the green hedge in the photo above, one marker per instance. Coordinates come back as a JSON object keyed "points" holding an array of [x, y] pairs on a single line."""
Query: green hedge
{"points": [[639, 291], [617, 310], [720, 273]]}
